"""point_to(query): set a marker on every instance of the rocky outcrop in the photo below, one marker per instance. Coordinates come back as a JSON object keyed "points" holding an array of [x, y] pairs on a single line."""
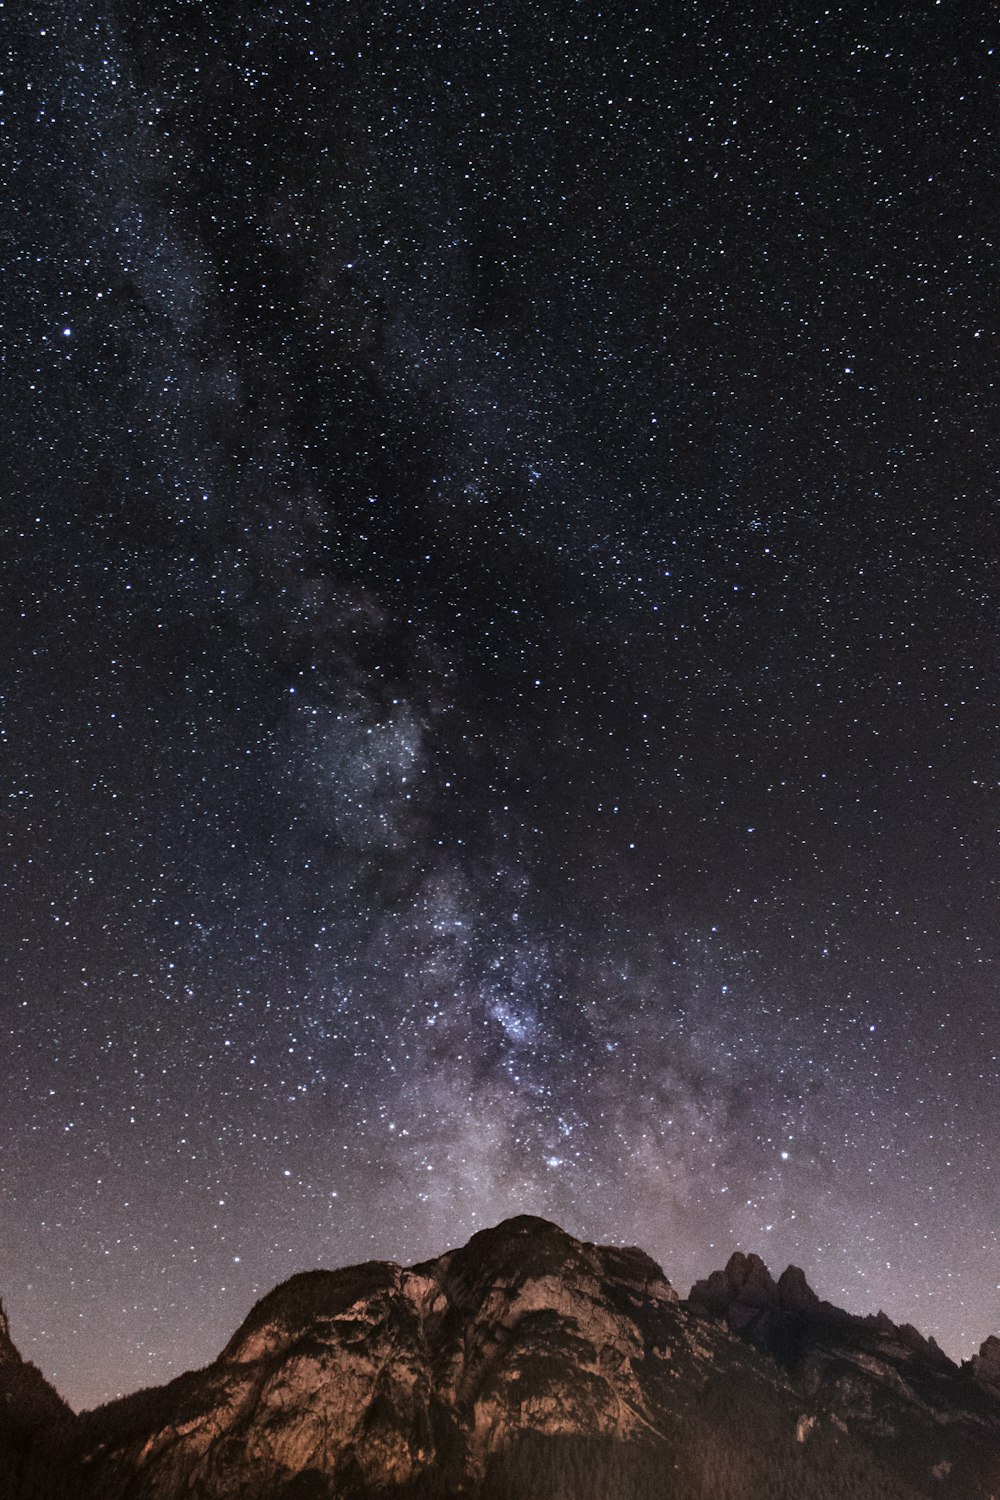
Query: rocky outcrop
{"points": [[794, 1292], [985, 1366]]}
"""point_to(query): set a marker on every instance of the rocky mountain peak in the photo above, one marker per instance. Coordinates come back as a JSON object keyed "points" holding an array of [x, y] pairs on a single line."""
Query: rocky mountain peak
{"points": [[528, 1249], [794, 1292], [387, 1373], [745, 1289], [985, 1365]]}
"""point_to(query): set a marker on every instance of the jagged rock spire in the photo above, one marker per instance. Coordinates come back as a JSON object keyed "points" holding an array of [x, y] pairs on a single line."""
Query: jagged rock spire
{"points": [[985, 1365], [746, 1287]]}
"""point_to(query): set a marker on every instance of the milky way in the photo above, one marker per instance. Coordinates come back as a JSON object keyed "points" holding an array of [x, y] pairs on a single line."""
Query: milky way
{"points": [[499, 627]]}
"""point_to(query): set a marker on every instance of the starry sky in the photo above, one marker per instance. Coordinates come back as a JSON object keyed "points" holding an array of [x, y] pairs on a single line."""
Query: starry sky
{"points": [[499, 651]]}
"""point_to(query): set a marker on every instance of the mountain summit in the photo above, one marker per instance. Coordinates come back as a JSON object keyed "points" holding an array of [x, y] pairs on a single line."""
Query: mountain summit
{"points": [[531, 1364]]}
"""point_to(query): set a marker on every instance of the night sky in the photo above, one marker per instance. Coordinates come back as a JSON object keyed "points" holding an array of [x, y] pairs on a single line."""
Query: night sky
{"points": [[499, 620]]}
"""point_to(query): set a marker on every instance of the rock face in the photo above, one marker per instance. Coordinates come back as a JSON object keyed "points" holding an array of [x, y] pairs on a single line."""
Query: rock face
{"points": [[531, 1366], [985, 1365]]}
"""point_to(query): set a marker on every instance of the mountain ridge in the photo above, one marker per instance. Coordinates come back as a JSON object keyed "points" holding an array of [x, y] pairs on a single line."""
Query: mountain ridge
{"points": [[529, 1362]]}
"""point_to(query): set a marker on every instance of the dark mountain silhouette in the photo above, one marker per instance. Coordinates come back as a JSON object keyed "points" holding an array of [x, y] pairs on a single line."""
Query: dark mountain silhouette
{"points": [[531, 1366], [35, 1426]]}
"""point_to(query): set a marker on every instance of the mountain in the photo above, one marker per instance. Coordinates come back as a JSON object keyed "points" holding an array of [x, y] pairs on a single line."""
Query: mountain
{"points": [[532, 1366], [926, 1417], [34, 1420]]}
